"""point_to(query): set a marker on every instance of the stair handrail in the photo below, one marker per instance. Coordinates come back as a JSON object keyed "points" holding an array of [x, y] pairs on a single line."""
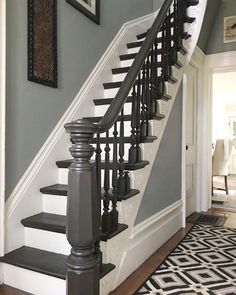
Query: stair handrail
{"points": [[117, 103], [84, 185]]}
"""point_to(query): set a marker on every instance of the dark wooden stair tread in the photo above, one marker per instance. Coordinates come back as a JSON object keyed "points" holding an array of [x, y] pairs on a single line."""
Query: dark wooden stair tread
{"points": [[104, 140], [126, 118], [107, 101], [192, 2], [55, 189], [170, 79], [144, 35], [110, 85], [127, 166], [57, 223], [139, 43], [45, 262], [62, 190]]}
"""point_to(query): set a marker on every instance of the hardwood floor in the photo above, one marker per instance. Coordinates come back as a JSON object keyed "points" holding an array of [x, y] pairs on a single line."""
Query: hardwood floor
{"points": [[133, 282], [5, 290]]}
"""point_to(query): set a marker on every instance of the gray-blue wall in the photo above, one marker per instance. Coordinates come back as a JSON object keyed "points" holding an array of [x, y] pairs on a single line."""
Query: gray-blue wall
{"points": [[157, 4], [215, 43], [164, 185], [34, 110], [208, 22], [211, 37]]}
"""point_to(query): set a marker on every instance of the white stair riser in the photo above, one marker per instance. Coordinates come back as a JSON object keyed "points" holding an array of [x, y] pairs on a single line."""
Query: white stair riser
{"points": [[54, 204], [110, 93], [39, 284], [60, 207], [118, 77], [63, 175], [63, 179], [126, 63], [50, 241], [47, 240], [33, 282], [133, 50], [101, 110]]}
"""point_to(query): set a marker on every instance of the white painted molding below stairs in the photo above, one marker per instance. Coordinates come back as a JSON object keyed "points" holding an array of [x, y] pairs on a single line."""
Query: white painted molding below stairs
{"points": [[26, 199]]}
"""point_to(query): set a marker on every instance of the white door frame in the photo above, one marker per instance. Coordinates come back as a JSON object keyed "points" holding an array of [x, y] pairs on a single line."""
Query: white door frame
{"points": [[2, 121], [214, 63], [197, 61]]}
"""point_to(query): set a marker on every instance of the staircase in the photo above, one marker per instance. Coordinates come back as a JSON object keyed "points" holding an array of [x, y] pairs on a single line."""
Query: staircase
{"points": [[136, 104]]}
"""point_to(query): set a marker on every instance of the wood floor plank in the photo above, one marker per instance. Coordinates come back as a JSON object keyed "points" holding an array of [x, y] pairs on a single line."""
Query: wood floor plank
{"points": [[6, 290]]}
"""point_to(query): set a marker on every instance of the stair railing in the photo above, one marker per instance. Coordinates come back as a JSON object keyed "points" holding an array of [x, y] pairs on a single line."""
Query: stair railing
{"points": [[144, 85]]}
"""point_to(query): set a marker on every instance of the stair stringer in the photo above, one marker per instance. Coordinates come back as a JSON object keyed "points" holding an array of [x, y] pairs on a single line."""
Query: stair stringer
{"points": [[26, 199], [119, 248]]}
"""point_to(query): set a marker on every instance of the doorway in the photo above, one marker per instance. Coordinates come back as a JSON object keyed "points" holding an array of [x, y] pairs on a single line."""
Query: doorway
{"points": [[224, 140], [213, 63]]}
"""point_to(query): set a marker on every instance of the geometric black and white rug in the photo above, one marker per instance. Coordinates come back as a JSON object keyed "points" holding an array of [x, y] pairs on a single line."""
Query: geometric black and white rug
{"points": [[204, 262]]}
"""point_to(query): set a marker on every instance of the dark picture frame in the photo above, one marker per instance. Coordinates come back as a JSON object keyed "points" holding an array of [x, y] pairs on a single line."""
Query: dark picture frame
{"points": [[94, 16], [42, 42]]}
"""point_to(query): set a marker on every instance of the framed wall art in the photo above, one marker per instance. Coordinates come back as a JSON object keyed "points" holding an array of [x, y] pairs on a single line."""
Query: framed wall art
{"points": [[90, 8], [42, 42], [230, 29]]}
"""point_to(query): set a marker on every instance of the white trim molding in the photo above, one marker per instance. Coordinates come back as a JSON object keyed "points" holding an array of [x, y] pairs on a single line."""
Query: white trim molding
{"points": [[214, 63], [2, 121], [196, 61], [148, 236]]}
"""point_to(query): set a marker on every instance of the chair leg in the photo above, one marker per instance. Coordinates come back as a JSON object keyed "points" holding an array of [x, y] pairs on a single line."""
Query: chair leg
{"points": [[226, 185], [212, 192]]}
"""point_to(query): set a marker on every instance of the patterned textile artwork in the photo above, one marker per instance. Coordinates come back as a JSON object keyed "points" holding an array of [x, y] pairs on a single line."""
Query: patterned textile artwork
{"points": [[42, 42]]}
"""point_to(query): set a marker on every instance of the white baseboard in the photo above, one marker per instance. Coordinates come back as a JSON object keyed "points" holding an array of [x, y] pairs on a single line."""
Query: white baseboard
{"points": [[33, 282], [148, 236]]}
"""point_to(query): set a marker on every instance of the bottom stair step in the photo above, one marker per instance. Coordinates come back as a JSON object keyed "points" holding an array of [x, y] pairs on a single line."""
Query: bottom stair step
{"points": [[44, 262]]}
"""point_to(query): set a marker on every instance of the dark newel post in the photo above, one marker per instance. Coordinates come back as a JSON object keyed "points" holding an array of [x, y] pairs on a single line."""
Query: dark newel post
{"points": [[83, 216]]}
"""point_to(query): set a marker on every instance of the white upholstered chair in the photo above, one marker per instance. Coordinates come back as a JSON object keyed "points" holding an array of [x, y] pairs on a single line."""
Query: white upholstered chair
{"points": [[220, 160]]}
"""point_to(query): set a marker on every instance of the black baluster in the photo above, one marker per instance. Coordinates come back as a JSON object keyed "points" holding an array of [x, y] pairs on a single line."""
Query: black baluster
{"points": [[152, 81], [148, 94], [168, 36], [106, 217], [114, 212], [174, 55], [180, 25], [98, 152], [132, 150], [144, 122], [138, 118], [121, 179]]}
